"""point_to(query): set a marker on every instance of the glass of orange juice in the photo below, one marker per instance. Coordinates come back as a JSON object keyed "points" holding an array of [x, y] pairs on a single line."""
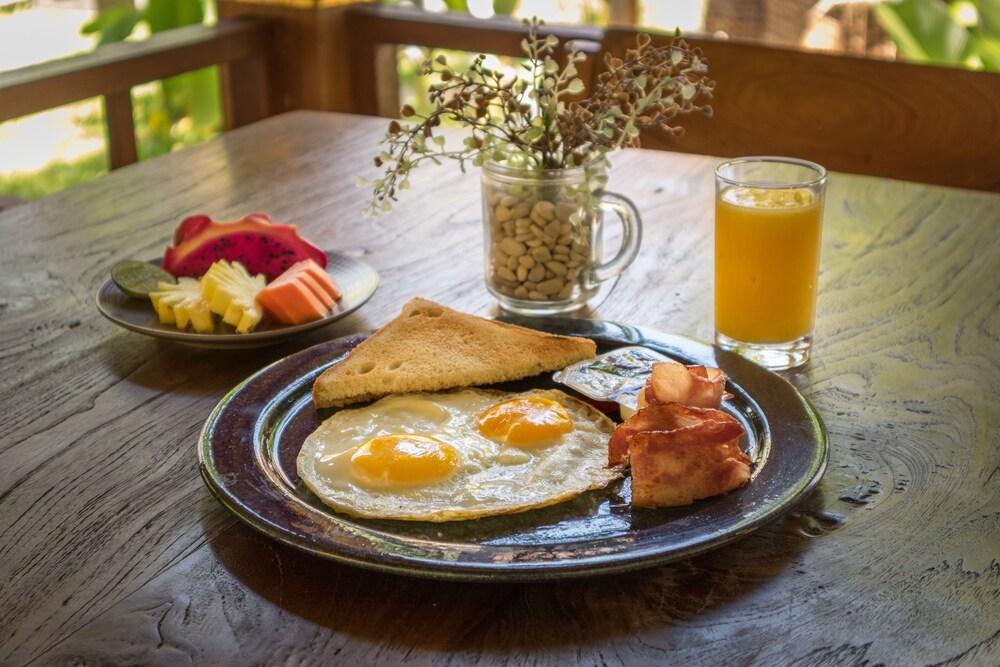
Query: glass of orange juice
{"points": [[768, 224]]}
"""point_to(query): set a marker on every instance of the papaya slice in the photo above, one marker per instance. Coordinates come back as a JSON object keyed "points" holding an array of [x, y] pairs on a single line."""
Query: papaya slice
{"points": [[303, 293], [321, 277]]}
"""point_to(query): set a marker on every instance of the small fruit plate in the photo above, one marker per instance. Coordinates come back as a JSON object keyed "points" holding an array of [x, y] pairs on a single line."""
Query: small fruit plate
{"points": [[356, 280]]}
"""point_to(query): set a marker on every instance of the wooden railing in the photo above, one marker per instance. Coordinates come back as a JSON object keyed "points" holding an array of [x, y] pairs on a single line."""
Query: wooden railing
{"points": [[883, 118], [375, 32], [239, 47], [861, 115], [916, 122]]}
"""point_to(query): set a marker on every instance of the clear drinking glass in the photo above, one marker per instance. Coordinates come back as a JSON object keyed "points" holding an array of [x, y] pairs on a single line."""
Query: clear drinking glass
{"points": [[543, 237], [768, 226]]}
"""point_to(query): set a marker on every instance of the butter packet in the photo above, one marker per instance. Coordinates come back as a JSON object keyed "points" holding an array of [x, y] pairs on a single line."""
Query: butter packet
{"points": [[616, 376]]}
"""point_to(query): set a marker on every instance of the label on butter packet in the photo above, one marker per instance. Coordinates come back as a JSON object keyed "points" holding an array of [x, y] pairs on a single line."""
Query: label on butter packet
{"points": [[618, 375]]}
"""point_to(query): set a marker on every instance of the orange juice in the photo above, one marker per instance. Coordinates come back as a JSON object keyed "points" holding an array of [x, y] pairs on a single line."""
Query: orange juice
{"points": [[766, 262]]}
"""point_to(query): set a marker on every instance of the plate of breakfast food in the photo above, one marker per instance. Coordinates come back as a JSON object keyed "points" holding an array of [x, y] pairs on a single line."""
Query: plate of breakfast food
{"points": [[244, 283], [452, 446]]}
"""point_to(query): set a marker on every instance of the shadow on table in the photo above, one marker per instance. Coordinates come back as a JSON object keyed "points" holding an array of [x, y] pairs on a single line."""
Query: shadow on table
{"points": [[409, 613], [166, 365]]}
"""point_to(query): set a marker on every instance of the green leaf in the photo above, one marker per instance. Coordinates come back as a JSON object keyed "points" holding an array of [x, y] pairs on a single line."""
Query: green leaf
{"points": [[988, 51], [457, 6], [504, 7], [113, 24], [196, 94], [575, 87], [168, 14], [989, 19], [923, 30]]}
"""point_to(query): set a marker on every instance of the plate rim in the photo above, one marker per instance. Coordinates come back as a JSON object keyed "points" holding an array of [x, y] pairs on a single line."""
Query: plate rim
{"points": [[594, 565], [254, 338]]}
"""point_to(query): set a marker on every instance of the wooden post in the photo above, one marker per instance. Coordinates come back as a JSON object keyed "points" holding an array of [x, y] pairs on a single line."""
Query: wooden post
{"points": [[121, 129], [623, 13], [310, 66], [387, 80], [374, 78], [245, 94]]}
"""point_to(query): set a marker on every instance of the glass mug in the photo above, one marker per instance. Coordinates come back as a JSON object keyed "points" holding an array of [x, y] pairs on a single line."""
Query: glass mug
{"points": [[543, 237], [768, 226]]}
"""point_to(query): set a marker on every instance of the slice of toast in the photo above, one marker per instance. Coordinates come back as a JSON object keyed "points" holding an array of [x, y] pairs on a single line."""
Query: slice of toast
{"points": [[429, 347]]}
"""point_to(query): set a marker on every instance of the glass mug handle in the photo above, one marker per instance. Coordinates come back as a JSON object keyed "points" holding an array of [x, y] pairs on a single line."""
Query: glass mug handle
{"points": [[631, 237]]}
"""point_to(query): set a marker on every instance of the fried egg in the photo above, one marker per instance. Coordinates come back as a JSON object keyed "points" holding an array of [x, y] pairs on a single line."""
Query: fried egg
{"points": [[457, 455]]}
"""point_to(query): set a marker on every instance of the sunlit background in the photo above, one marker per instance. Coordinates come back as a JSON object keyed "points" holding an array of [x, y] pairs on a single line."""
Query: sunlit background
{"points": [[52, 150]]}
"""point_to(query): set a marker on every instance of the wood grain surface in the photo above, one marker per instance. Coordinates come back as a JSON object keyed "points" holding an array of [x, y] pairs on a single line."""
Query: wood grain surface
{"points": [[112, 551]]}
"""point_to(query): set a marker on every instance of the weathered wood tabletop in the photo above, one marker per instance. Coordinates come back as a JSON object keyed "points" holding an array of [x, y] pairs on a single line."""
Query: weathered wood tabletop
{"points": [[112, 550]]}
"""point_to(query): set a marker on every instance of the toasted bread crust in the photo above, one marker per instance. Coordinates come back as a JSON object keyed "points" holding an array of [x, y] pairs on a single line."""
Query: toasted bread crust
{"points": [[429, 347]]}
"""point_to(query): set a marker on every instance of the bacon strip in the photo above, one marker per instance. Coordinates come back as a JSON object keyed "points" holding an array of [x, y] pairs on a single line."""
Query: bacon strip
{"points": [[659, 417], [672, 468], [697, 386], [680, 446]]}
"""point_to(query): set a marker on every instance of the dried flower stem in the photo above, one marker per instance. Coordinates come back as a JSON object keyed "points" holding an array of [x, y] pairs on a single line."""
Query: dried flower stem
{"points": [[530, 123]]}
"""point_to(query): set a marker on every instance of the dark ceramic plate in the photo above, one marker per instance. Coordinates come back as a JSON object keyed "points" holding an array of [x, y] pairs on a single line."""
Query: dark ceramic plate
{"points": [[250, 442], [357, 282]]}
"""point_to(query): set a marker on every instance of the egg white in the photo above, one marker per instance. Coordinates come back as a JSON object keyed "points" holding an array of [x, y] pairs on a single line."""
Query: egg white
{"points": [[491, 477]]}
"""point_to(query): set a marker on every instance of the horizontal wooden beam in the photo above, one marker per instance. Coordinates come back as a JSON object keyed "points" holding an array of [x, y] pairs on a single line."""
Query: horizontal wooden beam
{"points": [[452, 30], [115, 68]]}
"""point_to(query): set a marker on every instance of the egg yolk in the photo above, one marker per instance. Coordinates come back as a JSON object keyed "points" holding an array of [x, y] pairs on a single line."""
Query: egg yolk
{"points": [[525, 422], [403, 460]]}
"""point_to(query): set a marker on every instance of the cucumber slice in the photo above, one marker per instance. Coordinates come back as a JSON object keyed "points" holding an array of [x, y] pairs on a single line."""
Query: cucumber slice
{"points": [[137, 279]]}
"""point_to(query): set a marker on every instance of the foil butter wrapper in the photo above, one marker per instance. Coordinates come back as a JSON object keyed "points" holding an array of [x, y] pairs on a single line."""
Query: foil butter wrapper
{"points": [[616, 376]]}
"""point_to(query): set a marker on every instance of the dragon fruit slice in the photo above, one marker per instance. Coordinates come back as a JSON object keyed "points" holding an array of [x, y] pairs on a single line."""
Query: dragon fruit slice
{"points": [[190, 226], [255, 242]]}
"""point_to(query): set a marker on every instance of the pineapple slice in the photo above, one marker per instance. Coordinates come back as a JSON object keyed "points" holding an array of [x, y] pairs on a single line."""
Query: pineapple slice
{"points": [[232, 293], [181, 304]]}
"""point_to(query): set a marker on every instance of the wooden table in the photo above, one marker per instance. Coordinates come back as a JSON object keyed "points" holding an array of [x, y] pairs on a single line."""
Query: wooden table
{"points": [[113, 551]]}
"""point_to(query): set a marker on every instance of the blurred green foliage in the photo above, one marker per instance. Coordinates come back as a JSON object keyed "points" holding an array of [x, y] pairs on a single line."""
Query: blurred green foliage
{"points": [[186, 109], [169, 114], [53, 177], [181, 110], [962, 33]]}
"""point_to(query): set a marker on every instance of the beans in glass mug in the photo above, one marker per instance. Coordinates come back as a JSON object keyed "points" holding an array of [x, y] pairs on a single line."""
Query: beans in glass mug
{"points": [[538, 247]]}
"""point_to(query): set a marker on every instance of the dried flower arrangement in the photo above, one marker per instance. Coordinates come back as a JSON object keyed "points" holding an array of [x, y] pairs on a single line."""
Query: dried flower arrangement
{"points": [[538, 122]]}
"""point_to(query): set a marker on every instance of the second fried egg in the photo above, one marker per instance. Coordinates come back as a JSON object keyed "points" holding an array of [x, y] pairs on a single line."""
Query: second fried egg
{"points": [[457, 455]]}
